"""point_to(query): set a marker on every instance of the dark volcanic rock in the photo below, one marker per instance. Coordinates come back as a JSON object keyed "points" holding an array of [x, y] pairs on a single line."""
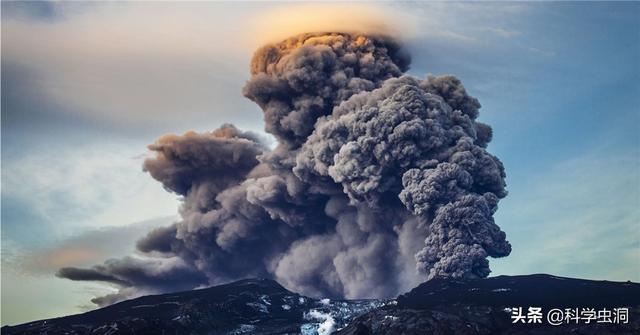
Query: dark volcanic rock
{"points": [[256, 305], [535, 290], [483, 306], [252, 306], [440, 306]]}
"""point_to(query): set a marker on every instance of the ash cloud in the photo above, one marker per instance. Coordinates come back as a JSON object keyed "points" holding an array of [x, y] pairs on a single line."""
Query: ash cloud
{"points": [[379, 181], [304, 77]]}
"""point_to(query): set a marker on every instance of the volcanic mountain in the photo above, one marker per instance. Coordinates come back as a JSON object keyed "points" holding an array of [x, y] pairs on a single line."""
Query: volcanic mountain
{"points": [[439, 306]]}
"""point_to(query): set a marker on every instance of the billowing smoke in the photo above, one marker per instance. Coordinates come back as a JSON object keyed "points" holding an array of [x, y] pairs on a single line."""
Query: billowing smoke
{"points": [[378, 181]]}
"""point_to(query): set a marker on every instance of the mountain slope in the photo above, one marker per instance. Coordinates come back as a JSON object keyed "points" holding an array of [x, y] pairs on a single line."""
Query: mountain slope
{"points": [[440, 306], [485, 306], [256, 306]]}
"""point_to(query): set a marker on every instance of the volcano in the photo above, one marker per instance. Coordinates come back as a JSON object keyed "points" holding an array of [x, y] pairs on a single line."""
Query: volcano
{"points": [[439, 306]]}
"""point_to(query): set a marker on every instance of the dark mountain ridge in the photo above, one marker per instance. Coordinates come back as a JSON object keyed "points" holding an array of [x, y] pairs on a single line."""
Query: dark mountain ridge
{"points": [[540, 290], [220, 307], [439, 306], [487, 306]]}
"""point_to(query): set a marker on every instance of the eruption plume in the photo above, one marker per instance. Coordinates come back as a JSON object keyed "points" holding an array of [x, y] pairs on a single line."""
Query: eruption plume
{"points": [[379, 181]]}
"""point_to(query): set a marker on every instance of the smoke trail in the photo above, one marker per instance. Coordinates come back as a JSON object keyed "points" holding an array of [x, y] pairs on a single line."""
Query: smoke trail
{"points": [[379, 181]]}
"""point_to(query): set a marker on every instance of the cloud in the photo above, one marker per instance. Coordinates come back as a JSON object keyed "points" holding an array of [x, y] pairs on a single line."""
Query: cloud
{"points": [[28, 271], [133, 65], [506, 33], [146, 275], [182, 161], [451, 34], [293, 19], [89, 185], [84, 249], [541, 52], [378, 180]]}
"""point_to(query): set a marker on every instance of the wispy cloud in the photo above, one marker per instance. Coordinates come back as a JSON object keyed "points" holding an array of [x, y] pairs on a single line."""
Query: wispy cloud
{"points": [[167, 65], [84, 249], [91, 185], [136, 65], [507, 33], [542, 52], [28, 271]]}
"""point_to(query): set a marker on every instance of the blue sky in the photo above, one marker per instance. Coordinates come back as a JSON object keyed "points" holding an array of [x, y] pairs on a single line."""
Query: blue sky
{"points": [[85, 87]]}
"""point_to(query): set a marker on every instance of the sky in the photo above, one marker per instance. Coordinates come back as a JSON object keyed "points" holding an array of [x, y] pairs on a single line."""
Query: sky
{"points": [[87, 86]]}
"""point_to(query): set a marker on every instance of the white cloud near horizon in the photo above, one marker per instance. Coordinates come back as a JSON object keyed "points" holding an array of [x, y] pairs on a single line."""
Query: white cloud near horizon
{"points": [[28, 272], [83, 249]]}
